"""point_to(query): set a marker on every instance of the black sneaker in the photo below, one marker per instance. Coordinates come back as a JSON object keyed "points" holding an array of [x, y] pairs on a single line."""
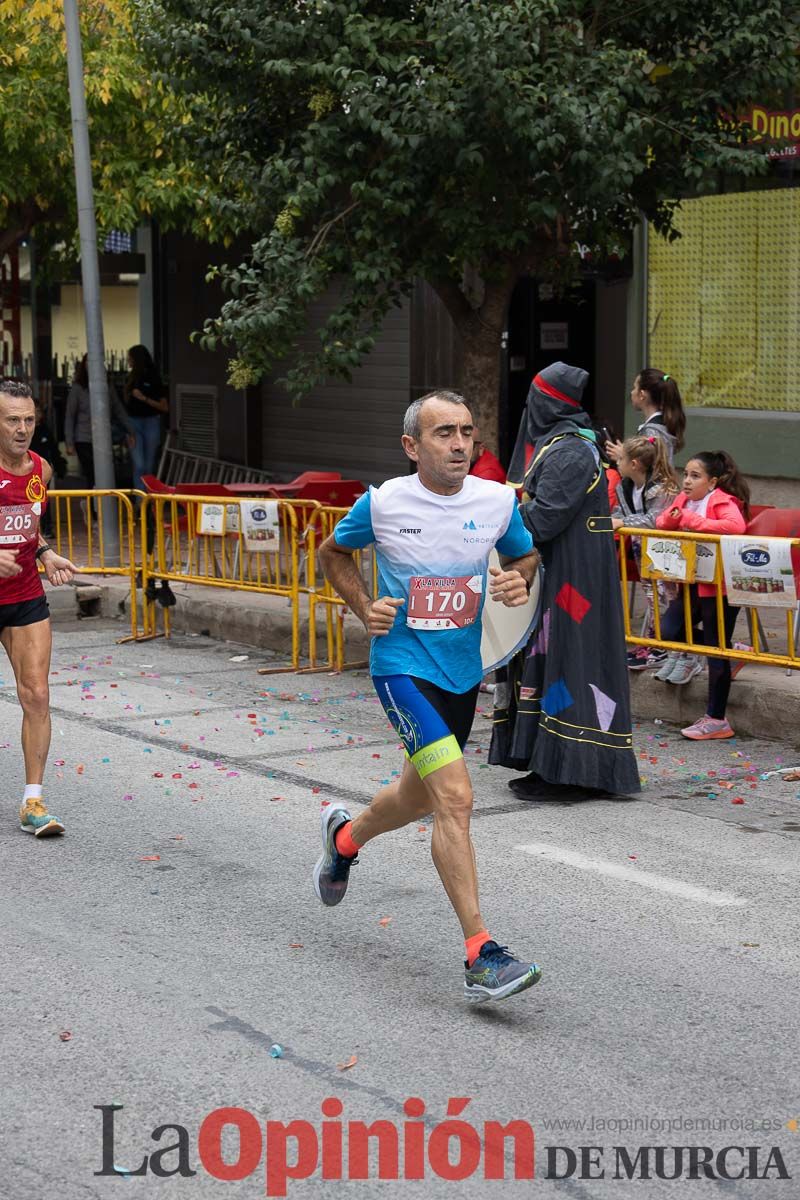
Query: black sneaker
{"points": [[165, 595], [637, 659], [332, 872], [496, 974]]}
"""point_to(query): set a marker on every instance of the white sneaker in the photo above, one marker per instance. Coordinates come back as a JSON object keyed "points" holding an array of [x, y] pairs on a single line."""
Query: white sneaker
{"points": [[670, 662], [685, 669]]}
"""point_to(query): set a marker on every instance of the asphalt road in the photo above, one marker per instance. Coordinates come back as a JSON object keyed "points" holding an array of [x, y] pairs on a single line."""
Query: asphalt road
{"points": [[174, 934]]}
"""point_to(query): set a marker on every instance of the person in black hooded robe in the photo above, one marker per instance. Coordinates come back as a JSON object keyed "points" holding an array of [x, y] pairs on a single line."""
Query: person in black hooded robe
{"points": [[562, 706]]}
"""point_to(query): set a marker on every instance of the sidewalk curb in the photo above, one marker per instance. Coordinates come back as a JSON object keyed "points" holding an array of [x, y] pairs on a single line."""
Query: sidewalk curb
{"points": [[764, 702], [263, 622]]}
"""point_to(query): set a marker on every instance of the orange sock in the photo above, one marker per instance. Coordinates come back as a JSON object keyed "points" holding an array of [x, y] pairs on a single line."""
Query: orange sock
{"points": [[344, 843], [474, 944]]}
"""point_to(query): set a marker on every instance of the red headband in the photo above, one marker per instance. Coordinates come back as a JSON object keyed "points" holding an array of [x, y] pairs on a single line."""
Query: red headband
{"points": [[549, 390]]}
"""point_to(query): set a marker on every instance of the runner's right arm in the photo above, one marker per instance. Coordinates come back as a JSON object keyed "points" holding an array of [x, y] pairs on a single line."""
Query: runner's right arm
{"points": [[354, 532], [343, 574]]}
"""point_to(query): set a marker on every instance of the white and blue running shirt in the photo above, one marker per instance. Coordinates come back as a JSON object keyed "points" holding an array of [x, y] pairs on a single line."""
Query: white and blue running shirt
{"points": [[433, 552]]}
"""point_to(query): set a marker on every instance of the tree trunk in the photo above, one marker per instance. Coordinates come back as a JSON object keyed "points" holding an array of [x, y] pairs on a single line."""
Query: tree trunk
{"points": [[480, 377], [480, 330]]}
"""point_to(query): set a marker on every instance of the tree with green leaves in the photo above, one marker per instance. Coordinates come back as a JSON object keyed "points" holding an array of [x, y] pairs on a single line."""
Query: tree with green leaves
{"points": [[461, 141], [137, 162]]}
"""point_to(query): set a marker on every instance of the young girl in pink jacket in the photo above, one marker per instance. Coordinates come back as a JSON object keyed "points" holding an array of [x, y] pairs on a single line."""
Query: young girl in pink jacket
{"points": [[715, 499]]}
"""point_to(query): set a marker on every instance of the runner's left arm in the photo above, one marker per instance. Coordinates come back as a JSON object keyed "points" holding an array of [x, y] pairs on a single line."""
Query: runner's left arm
{"points": [[520, 559], [58, 569]]}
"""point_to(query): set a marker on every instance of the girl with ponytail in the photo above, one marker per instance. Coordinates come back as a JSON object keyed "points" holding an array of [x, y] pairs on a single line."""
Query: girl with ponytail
{"points": [[647, 483], [715, 499], [645, 490], [655, 394]]}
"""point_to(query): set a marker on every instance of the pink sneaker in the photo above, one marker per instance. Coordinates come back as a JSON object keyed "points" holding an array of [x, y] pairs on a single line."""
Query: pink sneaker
{"points": [[707, 728]]}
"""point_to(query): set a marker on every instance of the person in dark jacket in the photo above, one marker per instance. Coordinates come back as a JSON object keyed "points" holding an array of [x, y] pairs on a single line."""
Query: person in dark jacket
{"points": [[562, 706], [146, 400]]}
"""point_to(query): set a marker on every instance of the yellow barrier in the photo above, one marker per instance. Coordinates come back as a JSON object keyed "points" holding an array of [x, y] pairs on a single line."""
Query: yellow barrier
{"points": [[759, 653], [201, 540], [175, 544], [80, 535]]}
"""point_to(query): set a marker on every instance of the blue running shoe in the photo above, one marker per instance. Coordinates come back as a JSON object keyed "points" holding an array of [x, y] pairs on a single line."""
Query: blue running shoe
{"points": [[332, 872], [496, 974], [34, 818]]}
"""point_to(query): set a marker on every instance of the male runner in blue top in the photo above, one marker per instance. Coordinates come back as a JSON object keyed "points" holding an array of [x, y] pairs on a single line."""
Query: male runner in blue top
{"points": [[433, 532]]}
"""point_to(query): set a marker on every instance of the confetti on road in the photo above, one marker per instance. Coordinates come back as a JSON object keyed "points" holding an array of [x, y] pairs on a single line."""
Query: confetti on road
{"points": [[346, 1066]]}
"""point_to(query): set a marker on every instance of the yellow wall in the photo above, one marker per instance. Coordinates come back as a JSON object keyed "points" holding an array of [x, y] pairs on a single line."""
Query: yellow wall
{"points": [[120, 306], [724, 301]]}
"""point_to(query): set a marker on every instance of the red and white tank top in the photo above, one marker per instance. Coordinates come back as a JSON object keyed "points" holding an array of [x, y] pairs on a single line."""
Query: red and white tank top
{"points": [[22, 501]]}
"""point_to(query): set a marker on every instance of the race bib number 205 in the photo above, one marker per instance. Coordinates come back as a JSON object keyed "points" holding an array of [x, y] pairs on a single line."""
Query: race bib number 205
{"points": [[443, 603], [19, 523]]}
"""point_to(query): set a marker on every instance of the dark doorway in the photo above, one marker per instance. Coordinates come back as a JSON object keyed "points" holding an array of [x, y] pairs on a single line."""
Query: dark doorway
{"points": [[544, 327]]}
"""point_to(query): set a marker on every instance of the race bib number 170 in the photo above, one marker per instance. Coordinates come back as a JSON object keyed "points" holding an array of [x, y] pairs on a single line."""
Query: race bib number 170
{"points": [[443, 603]]}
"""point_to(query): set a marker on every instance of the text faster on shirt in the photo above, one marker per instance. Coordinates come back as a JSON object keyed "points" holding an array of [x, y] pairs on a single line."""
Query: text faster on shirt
{"points": [[433, 552]]}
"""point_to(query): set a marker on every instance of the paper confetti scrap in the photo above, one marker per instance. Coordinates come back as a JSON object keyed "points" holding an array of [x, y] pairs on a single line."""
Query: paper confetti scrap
{"points": [[345, 1066]]}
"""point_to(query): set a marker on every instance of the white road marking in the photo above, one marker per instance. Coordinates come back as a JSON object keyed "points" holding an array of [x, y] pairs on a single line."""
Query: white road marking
{"points": [[646, 879]]}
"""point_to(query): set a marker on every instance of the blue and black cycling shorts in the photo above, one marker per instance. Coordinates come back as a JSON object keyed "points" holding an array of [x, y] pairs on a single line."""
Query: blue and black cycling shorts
{"points": [[433, 724]]}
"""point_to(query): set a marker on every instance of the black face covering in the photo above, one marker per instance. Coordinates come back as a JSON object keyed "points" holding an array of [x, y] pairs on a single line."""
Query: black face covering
{"points": [[553, 406]]}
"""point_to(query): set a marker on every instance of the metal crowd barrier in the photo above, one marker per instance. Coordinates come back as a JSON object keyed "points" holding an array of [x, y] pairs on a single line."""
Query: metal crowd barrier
{"points": [[200, 540], [760, 652], [77, 530], [181, 544]]}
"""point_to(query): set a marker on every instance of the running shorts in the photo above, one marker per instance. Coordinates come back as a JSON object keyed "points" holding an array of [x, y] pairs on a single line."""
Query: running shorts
{"points": [[24, 612], [433, 724]]}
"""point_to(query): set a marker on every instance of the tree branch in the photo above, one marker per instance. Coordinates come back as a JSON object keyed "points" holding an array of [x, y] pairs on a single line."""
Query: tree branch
{"points": [[319, 237]]}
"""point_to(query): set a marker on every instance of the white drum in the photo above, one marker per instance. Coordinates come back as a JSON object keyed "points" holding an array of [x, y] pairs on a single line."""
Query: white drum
{"points": [[506, 630]]}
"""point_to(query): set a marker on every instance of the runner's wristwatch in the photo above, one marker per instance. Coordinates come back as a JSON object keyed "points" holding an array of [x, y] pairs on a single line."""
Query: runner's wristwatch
{"points": [[42, 550]]}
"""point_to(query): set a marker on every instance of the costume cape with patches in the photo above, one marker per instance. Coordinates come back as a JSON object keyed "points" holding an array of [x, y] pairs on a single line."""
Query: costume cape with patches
{"points": [[562, 706]]}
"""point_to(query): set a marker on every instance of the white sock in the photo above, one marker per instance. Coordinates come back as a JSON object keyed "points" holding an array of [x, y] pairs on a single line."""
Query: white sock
{"points": [[33, 791]]}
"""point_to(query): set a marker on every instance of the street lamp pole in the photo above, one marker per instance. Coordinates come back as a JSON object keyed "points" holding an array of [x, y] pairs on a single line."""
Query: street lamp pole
{"points": [[90, 274]]}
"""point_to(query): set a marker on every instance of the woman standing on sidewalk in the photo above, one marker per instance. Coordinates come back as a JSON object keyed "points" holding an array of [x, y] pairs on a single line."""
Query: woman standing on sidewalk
{"points": [[656, 396], [715, 499], [78, 420], [146, 399]]}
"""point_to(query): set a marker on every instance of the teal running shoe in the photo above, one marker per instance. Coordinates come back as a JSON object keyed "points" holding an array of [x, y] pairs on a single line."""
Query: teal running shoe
{"points": [[34, 818], [496, 974], [332, 872]]}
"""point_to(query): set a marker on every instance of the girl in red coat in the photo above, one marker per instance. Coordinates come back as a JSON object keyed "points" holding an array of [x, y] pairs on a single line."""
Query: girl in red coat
{"points": [[715, 499]]}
